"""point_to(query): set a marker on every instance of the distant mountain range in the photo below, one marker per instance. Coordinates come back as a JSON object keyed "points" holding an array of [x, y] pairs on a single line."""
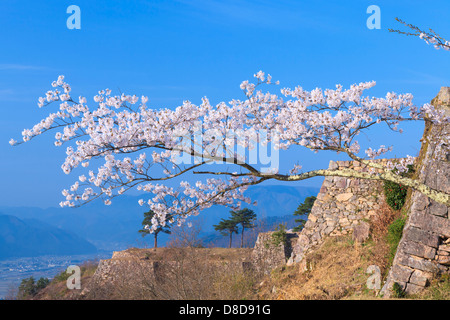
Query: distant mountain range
{"points": [[115, 227], [31, 237]]}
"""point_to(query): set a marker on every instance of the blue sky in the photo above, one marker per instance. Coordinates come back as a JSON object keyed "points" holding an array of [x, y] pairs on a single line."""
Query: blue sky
{"points": [[177, 50]]}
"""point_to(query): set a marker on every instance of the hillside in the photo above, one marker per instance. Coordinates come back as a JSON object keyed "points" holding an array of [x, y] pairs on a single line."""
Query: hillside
{"points": [[336, 271], [31, 237]]}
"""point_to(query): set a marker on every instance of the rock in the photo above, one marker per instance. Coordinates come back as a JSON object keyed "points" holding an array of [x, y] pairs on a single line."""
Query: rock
{"points": [[420, 278], [438, 209], [303, 266], [445, 260], [344, 196], [401, 273], [341, 183], [418, 263], [421, 202], [431, 223], [290, 261], [444, 247], [328, 230], [419, 250], [443, 253], [361, 232], [412, 288], [420, 236], [333, 165]]}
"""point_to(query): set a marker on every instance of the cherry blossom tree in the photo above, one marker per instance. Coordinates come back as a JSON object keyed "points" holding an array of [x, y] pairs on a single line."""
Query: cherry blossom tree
{"points": [[430, 36], [132, 146]]}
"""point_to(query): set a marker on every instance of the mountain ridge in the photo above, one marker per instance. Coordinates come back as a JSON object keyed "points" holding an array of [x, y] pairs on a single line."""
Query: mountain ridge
{"points": [[31, 237]]}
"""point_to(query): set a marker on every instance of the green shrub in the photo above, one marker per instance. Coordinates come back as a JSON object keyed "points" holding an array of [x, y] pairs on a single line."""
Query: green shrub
{"points": [[62, 276], [397, 291], [394, 234], [396, 193], [279, 236]]}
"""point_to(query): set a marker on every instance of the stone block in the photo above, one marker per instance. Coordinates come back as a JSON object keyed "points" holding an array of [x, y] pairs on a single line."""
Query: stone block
{"points": [[442, 253], [372, 213], [444, 260], [344, 196], [421, 201], [420, 236], [444, 247], [341, 183], [333, 165], [361, 232], [419, 250], [437, 209], [354, 183], [401, 273], [316, 237], [420, 278], [327, 230], [327, 182], [331, 223], [418, 263], [412, 288], [431, 222]]}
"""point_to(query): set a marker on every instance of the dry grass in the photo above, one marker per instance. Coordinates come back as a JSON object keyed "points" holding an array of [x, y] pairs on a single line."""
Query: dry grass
{"points": [[439, 289], [336, 270], [380, 222], [178, 274], [379, 226]]}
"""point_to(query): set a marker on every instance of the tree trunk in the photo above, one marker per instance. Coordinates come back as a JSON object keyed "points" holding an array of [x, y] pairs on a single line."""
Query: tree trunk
{"points": [[156, 241], [242, 237], [231, 234]]}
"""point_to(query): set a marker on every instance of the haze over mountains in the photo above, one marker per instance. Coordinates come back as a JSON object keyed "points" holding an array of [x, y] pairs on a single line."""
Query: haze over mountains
{"points": [[31, 237], [36, 231]]}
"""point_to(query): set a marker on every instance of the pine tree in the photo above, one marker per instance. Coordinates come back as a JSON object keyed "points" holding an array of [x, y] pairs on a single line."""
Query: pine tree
{"points": [[148, 222], [27, 288], [303, 209], [227, 227], [245, 217]]}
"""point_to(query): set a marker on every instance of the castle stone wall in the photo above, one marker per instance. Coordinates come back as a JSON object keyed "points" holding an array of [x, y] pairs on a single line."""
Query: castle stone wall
{"points": [[424, 250], [342, 204]]}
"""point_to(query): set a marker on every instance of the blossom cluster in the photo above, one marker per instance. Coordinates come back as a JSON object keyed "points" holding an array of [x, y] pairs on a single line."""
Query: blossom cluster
{"points": [[437, 42]]}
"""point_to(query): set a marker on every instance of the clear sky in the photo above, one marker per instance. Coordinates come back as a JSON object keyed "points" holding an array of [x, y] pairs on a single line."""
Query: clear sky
{"points": [[177, 50]]}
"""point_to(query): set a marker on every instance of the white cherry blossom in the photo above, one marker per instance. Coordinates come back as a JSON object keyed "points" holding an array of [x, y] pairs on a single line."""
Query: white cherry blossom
{"points": [[136, 147]]}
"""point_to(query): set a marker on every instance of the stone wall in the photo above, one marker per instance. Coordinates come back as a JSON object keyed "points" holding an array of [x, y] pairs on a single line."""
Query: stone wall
{"points": [[139, 269], [135, 271], [268, 255], [342, 204], [424, 249]]}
